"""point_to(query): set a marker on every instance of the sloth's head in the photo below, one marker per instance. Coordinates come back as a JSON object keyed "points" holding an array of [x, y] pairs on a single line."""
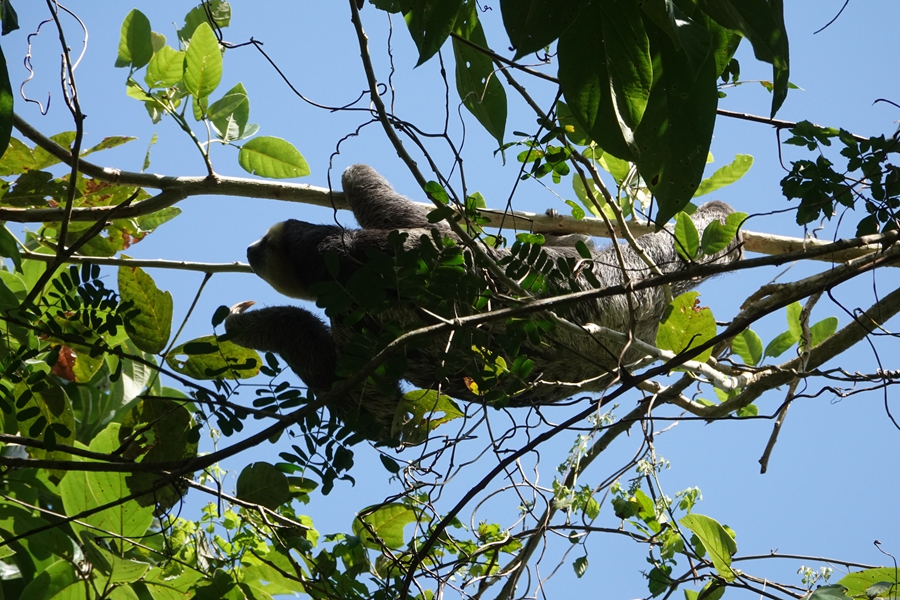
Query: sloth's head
{"points": [[278, 258]]}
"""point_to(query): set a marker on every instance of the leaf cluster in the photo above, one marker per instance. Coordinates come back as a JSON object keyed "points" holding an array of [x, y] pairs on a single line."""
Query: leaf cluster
{"points": [[648, 93], [867, 176]]}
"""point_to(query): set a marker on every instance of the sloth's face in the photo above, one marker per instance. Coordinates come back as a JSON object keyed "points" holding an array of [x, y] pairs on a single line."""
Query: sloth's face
{"points": [[270, 257]]}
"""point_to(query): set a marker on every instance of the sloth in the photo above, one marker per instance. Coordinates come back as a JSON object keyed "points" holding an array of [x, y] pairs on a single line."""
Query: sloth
{"points": [[296, 258]]}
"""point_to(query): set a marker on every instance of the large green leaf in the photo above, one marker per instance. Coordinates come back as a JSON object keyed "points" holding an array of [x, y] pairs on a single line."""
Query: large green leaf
{"points": [[672, 141], [53, 419], [716, 540], [859, 581], [157, 430], [762, 23], [17, 159], [135, 46], [272, 157], [476, 81], [6, 105], [262, 483], [9, 248], [427, 410], [35, 552], [387, 523], [202, 63], [686, 325], [82, 490], [584, 80], [628, 61], [43, 159], [533, 24], [430, 23], [210, 358], [115, 569], [53, 581], [150, 329]]}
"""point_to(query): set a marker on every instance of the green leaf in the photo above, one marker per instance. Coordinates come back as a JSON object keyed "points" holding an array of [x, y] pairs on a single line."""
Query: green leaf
{"points": [[389, 463], [476, 82], [748, 346], [41, 543], [793, 319], [781, 343], [430, 23], [711, 591], [53, 580], [686, 325], [580, 566], [202, 63], [17, 159], [586, 83], [262, 483], [717, 236], [533, 24], [166, 68], [229, 114], [762, 23], [725, 175], [386, 522], [832, 592], [150, 329], [687, 240], [219, 10], [157, 218], [628, 61], [272, 157], [9, 17], [427, 410], [54, 409], [822, 330], [157, 430], [226, 360], [43, 159], [81, 491], [9, 248], [135, 46], [582, 194], [106, 143], [115, 569], [715, 539], [859, 582], [672, 141], [6, 103], [751, 410]]}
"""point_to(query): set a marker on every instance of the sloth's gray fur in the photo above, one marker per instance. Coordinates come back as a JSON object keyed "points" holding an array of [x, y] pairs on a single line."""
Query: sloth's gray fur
{"points": [[290, 258]]}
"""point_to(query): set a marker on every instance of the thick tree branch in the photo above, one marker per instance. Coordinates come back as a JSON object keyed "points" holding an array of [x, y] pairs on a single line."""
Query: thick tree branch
{"points": [[176, 189], [180, 265]]}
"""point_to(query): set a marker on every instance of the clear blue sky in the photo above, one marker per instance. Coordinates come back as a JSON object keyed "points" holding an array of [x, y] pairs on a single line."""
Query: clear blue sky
{"points": [[829, 490]]}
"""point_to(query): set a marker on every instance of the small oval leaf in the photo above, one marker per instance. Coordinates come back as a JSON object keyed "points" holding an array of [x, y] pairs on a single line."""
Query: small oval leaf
{"points": [[272, 157], [202, 62]]}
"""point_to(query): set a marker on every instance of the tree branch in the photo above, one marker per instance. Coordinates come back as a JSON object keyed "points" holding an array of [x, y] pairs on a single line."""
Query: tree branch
{"points": [[176, 189]]}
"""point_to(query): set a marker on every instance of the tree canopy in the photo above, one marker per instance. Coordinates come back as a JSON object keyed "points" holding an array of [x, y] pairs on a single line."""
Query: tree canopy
{"points": [[147, 455]]}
